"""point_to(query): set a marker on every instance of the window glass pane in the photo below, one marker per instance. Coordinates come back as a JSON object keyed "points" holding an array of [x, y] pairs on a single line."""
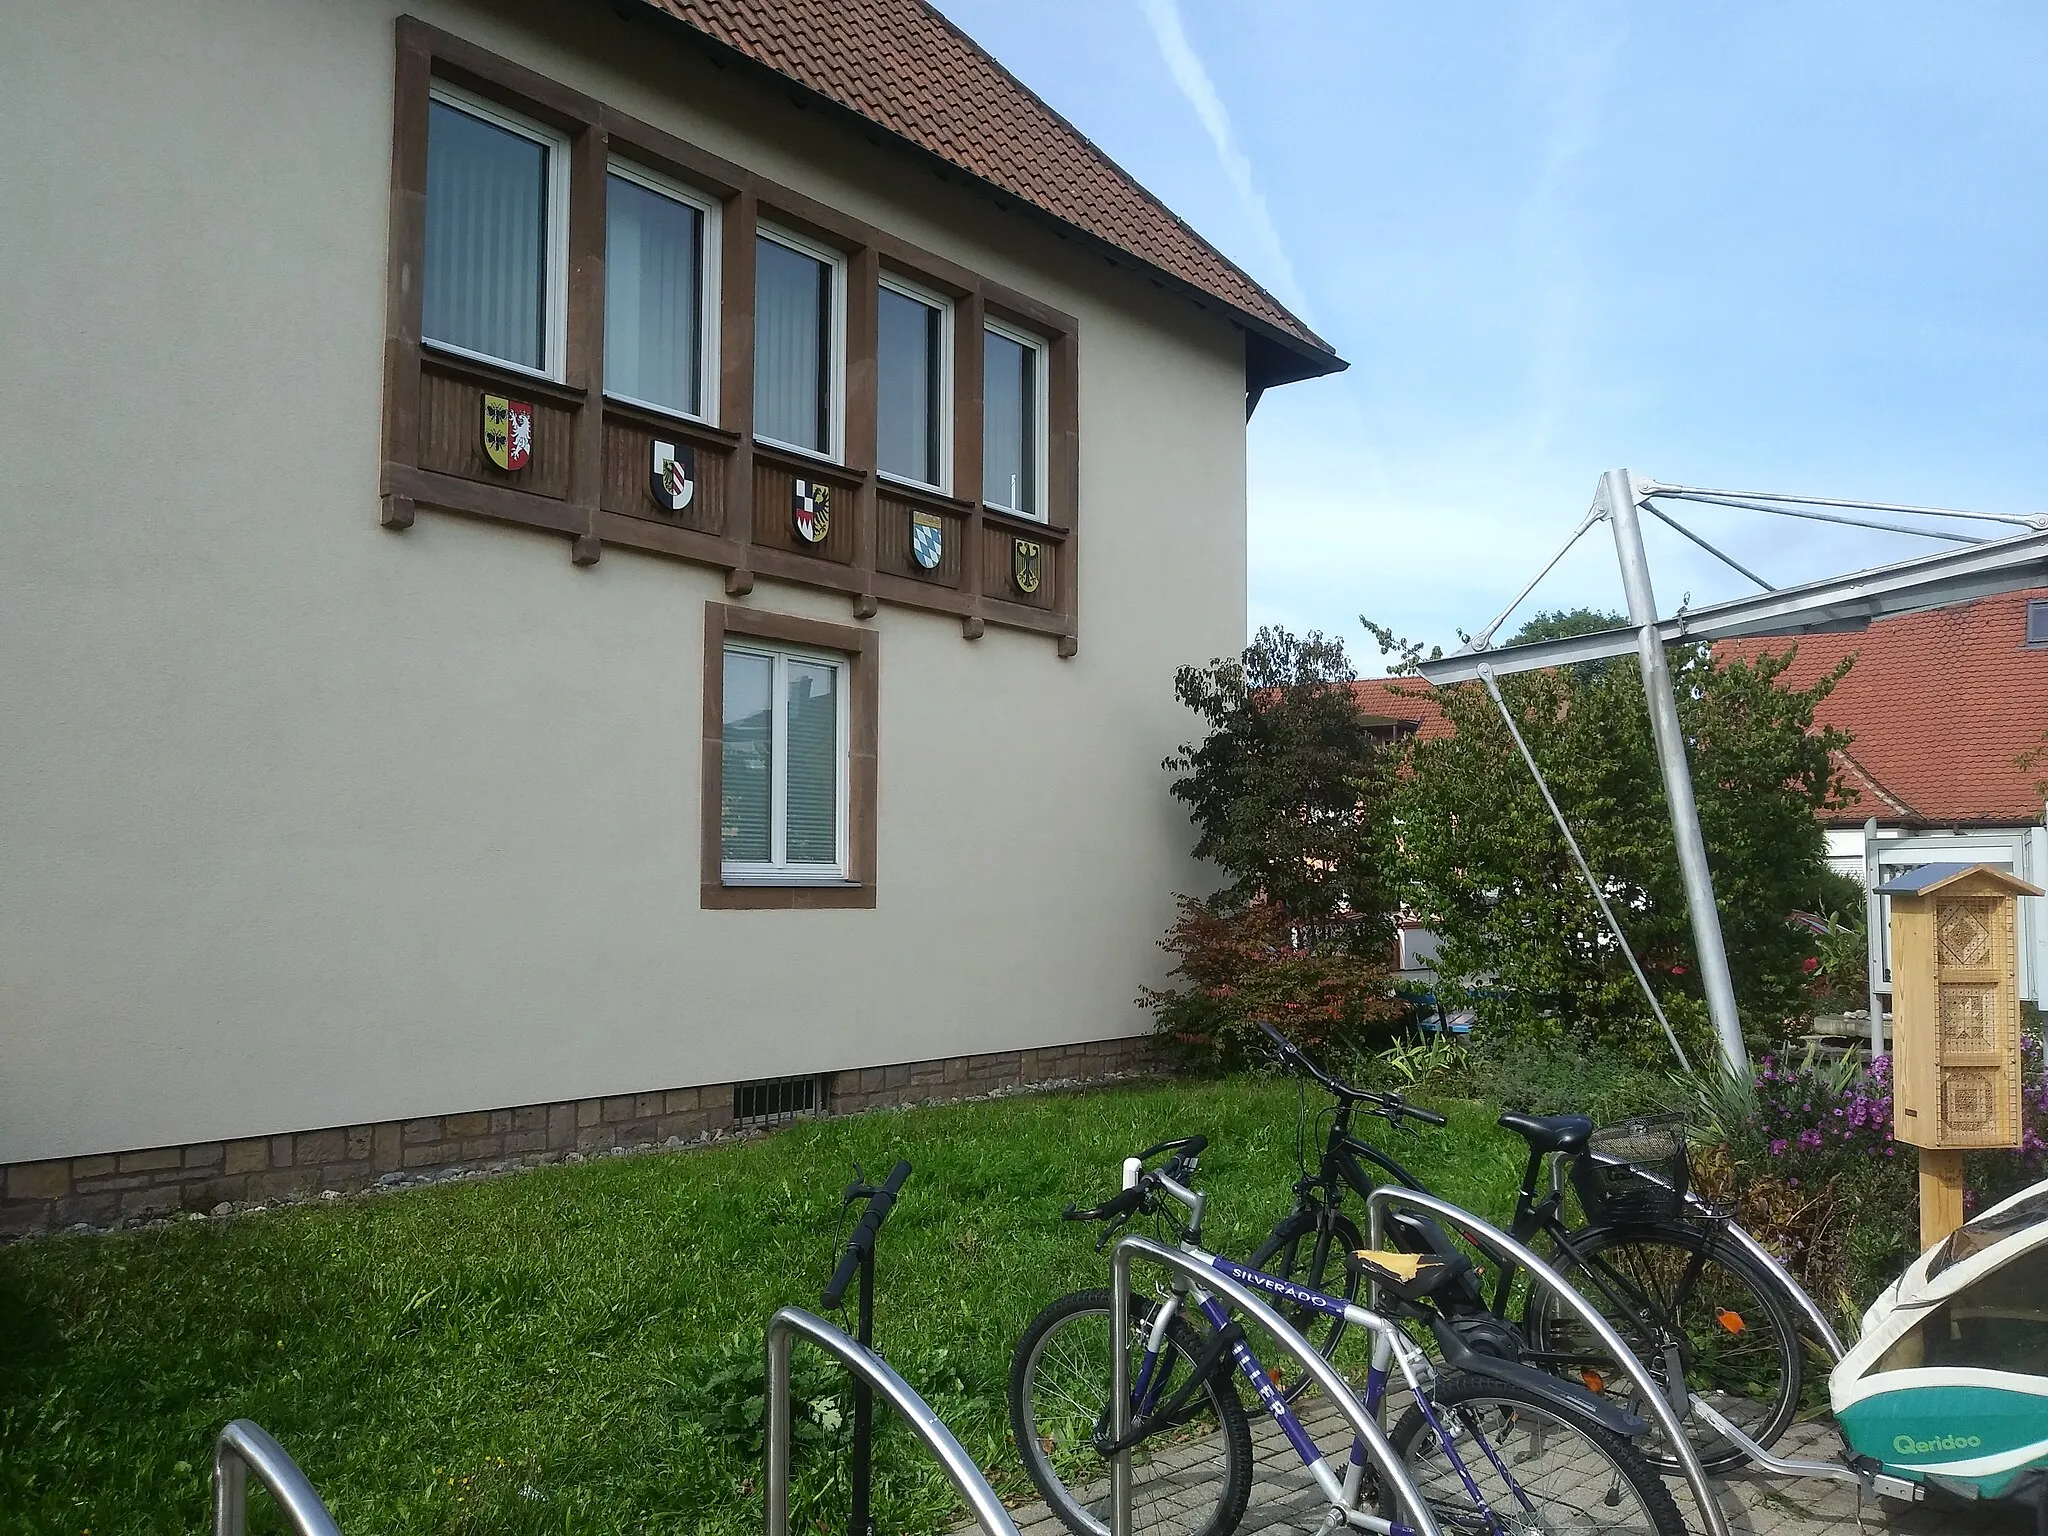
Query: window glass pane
{"points": [[653, 295], [907, 403], [812, 829], [1009, 440], [792, 342], [747, 781], [485, 283]]}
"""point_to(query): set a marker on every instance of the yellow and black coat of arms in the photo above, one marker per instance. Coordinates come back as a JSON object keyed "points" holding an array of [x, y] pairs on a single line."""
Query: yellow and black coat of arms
{"points": [[1027, 565]]}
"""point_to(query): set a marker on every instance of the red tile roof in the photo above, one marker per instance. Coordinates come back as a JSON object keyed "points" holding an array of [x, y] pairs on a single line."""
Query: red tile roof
{"points": [[1410, 700], [901, 65], [1941, 704]]}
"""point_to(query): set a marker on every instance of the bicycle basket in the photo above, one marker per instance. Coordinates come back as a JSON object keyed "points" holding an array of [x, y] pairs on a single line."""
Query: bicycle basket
{"points": [[1633, 1172]]}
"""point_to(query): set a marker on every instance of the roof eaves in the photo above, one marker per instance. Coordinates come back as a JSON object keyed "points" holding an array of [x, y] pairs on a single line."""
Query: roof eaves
{"points": [[1273, 355]]}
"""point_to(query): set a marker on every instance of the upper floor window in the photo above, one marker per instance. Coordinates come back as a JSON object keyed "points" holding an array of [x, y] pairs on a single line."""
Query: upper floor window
{"points": [[1013, 421], [661, 287], [494, 282], [913, 351], [783, 774], [799, 338], [2037, 621]]}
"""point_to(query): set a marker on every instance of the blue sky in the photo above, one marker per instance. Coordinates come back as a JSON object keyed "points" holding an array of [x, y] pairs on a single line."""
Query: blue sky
{"points": [[1789, 246]]}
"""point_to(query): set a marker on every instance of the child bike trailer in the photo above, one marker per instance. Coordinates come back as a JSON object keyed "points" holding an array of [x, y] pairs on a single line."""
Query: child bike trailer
{"points": [[1949, 1384]]}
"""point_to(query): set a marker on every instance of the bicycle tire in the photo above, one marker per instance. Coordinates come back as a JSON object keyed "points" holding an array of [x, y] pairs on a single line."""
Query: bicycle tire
{"points": [[1288, 1253], [1755, 1382], [1171, 1483], [1570, 1468]]}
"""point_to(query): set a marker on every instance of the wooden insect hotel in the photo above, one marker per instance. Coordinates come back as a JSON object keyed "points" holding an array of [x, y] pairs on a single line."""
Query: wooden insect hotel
{"points": [[1955, 1024]]}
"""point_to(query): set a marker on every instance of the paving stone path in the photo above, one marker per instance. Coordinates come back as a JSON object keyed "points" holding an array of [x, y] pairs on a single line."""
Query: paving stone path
{"points": [[1285, 1502]]}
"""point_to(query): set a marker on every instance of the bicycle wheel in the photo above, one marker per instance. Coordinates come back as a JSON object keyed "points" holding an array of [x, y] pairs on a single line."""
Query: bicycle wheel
{"points": [[1290, 1254], [1536, 1470], [1682, 1300], [1191, 1478]]}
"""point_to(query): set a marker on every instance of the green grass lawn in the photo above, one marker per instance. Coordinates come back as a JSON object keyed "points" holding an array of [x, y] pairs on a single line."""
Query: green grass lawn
{"points": [[577, 1348]]}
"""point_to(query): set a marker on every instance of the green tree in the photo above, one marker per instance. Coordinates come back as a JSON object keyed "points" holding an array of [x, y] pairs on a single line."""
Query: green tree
{"points": [[1288, 789], [1486, 866]]}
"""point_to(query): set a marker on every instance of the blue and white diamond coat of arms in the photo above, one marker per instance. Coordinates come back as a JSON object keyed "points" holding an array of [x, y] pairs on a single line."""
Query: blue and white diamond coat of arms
{"points": [[927, 539]]}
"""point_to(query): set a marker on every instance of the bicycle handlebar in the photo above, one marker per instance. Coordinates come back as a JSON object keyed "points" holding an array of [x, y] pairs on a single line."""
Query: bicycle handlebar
{"points": [[1390, 1105], [1185, 1150], [1116, 1205], [862, 1243]]}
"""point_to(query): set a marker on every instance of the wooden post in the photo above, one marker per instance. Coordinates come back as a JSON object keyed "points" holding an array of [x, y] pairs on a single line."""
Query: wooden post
{"points": [[1941, 1195]]}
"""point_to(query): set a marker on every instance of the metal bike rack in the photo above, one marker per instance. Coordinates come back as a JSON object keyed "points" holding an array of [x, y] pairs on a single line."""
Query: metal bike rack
{"points": [[245, 1447], [1255, 1307], [1490, 1237], [872, 1369]]}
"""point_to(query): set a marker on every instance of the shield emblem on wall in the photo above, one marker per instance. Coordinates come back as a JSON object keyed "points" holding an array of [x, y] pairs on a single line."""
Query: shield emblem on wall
{"points": [[927, 539], [813, 507], [508, 431], [1027, 564], [674, 476]]}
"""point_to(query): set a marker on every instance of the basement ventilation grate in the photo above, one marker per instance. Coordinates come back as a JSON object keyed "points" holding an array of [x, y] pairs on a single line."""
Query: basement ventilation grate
{"points": [[777, 1100]]}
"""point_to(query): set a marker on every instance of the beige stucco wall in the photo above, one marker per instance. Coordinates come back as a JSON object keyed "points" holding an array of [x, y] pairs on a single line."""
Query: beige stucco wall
{"points": [[304, 822]]}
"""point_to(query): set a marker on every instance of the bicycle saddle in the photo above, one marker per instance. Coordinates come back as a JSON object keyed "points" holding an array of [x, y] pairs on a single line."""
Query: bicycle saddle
{"points": [[1549, 1133], [1412, 1277]]}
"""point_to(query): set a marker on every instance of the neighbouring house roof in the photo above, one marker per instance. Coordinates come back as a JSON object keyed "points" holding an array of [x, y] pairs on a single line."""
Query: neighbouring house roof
{"points": [[901, 66], [1941, 706], [1402, 701]]}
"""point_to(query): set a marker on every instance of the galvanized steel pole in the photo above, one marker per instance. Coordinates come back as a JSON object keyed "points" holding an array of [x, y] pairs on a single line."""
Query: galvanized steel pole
{"points": [[1618, 494]]}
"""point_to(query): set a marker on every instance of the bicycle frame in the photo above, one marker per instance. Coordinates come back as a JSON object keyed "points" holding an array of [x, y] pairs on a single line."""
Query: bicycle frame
{"points": [[1392, 1349], [1188, 1271], [1343, 1165]]}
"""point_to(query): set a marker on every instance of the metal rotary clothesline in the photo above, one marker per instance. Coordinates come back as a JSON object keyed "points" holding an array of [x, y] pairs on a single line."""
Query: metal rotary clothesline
{"points": [[1981, 567]]}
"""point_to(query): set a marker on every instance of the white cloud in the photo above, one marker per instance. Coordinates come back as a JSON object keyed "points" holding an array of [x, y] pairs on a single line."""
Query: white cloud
{"points": [[1193, 80]]}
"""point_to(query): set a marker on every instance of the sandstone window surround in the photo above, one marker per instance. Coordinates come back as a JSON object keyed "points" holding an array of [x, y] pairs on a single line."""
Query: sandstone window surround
{"points": [[595, 427], [753, 838]]}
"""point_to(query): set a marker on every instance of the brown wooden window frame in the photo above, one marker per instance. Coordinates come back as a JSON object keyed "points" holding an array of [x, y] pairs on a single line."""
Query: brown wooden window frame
{"points": [[589, 479], [862, 650]]}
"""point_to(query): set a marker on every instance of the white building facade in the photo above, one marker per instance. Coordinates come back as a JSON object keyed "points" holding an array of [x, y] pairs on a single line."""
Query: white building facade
{"points": [[555, 571]]}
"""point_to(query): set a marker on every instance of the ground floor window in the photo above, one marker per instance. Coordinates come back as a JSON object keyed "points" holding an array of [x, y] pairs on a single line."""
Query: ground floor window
{"points": [[782, 811], [791, 741]]}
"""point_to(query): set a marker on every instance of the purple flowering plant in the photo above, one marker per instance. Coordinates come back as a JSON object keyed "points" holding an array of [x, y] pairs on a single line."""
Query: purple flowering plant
{"points": [[1814, 1115]]}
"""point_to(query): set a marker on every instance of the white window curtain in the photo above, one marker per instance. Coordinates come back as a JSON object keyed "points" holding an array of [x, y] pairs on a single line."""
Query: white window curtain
{"points": [[654, 289], [747, 778], [811, 818], [1009, 442], [484, 288], [792, 346], [783, 784], [908, 372]]}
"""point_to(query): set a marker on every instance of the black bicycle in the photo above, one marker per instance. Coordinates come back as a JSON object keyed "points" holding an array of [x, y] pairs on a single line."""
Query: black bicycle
{"points": [[1687, 1301]]}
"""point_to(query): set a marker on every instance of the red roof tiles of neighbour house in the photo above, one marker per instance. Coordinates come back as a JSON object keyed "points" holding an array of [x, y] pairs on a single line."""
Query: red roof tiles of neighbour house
{"points": [[904, 67], [1410, 700], [1941, 704]]}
